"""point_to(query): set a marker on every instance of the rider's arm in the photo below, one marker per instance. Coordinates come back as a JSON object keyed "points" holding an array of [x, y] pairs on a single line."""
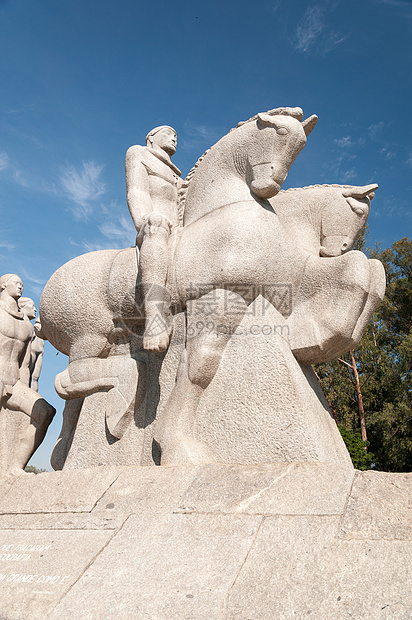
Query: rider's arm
{"points": [[137, 186]]}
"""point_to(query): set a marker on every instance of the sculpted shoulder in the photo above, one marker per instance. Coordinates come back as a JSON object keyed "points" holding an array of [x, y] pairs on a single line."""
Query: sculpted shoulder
{"points": [[136, 153], [12, 326]]}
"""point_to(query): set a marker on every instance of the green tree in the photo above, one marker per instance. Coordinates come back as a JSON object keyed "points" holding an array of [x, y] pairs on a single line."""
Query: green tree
{"points": [[380, 370], [31, 469], [361, 459]]}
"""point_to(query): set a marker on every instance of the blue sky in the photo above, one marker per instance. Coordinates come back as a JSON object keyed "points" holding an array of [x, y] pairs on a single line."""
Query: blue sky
{"points": [[83, 80]]}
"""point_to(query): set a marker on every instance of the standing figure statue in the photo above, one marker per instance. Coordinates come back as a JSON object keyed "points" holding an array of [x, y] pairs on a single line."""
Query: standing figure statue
{"points": [[16, 333], [27, 306], [152, 184]]}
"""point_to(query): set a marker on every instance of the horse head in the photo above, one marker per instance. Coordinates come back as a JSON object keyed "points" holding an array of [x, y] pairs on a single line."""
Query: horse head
{"points": [[343, 220], [253, 158], [273, 148]]}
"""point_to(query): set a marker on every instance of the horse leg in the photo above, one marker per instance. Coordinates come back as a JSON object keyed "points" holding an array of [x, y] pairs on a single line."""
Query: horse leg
{"points": [[375, 297], [211, 321], [121, 376], [332, 296]]}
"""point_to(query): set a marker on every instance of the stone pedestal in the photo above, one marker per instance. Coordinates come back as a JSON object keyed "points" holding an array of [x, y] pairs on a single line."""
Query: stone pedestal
{"points": [[215, 542], [12, 426], [263, 406]]}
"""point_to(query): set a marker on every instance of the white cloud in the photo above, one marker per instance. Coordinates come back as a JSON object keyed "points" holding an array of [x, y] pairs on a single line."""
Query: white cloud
{"points": [[28, 276], [409, 160], [347, 141], [344, 142], [387, 153], [349, 175], [403, 4], [6, 244], [117, 230], [82, 186], [20, 179], [375, 130], [4, 160], [313, 31], [199, 136], [121, 230], [310, 28]]}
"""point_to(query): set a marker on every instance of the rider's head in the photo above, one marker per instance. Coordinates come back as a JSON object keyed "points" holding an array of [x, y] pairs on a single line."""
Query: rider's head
{"points": [[12, 284], [163, 138]]}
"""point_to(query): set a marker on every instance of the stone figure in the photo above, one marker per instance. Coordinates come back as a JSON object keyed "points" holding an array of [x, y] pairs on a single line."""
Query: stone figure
{"points": [[152, 183], [16, 333], [248, 258], [27, 306]]}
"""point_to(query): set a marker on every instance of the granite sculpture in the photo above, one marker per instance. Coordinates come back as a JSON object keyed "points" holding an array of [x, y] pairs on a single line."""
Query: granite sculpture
{"points": [[264, 280], [27, 306], [21, 435], [152, 184]]}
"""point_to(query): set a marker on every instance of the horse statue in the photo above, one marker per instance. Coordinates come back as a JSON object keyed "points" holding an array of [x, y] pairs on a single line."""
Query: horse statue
{"points": [[241, 239]]}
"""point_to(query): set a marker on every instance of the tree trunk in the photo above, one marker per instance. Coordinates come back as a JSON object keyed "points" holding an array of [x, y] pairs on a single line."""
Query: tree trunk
{"points": [[359, 395]]}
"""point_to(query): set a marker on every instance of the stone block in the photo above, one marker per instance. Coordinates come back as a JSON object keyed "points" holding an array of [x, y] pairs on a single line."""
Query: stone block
{"points": [[111, 520], [282, 488], [297, 569], [38, 567], [173, 566], [380, 506], [147, 490], [76, 491]]}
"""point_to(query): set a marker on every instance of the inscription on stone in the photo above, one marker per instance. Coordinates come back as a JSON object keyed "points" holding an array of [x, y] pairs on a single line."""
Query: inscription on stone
{"points": [[19, 553], [37, 567]]}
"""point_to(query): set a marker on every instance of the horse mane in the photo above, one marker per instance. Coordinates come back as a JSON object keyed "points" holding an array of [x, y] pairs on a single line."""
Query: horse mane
{"points": [[298, 189], [181, 200], [294, 112]]}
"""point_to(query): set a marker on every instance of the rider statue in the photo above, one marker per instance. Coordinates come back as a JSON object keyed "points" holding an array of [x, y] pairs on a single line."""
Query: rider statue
{"points": [[152, 184], [16, 333]]}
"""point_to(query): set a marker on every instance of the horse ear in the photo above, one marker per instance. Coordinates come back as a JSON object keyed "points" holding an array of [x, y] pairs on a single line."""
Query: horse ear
{"points": [[361, 192], [265, 119], [309, 124]]}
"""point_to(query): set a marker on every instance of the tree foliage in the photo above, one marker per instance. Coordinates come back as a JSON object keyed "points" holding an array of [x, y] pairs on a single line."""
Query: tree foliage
{"points": [[31, 469], [383, 362], [361, 459]]}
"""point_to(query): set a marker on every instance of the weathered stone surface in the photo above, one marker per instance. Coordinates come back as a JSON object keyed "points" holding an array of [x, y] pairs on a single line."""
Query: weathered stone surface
{"points": [[380, 506], [23, 432], [147, 490], [214, 247], [27, 306], [273, 409], [48, 563], [292, 489], [85, 440], [297, 569], [76, 491], [110, 520], [173, 566], [225, 542]]}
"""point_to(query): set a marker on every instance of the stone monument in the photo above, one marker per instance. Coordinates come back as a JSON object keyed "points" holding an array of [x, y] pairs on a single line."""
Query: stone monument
{"points": [[260, 284], [25, 416], [259, 513]]}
